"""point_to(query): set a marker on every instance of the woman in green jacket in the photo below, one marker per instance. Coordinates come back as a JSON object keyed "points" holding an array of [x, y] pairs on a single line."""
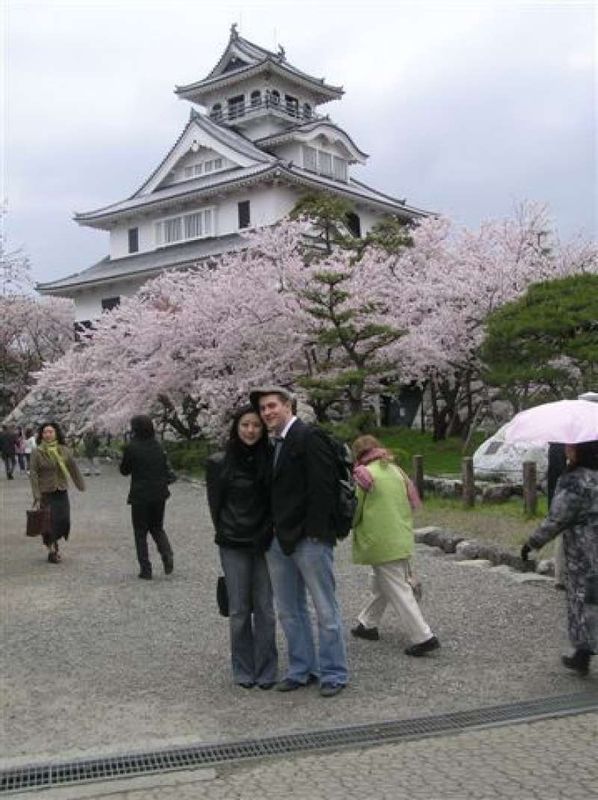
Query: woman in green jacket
{"points": [[383, 538]]}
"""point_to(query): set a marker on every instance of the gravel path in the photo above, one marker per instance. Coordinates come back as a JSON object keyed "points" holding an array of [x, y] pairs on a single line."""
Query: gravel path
{"points": [[95, 660]]}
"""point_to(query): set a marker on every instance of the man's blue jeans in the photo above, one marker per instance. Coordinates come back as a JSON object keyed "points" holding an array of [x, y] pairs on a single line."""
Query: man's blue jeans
{"points": [[252, 621], [309, 567]]}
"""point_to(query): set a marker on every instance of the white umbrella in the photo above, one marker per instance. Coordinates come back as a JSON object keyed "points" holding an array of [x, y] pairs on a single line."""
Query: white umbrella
{"points": [[565, 421]]}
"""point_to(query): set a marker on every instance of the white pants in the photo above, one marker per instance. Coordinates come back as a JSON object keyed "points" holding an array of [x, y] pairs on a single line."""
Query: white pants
{"points": [[389, 585]]}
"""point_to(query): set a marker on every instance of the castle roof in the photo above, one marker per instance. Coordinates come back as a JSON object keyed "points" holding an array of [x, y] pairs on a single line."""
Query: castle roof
{"points": [[143, 265], [243, 59]]}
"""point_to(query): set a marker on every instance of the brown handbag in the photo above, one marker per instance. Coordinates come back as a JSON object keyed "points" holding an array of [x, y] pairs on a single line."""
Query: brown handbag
{"points": [[38, 522]]}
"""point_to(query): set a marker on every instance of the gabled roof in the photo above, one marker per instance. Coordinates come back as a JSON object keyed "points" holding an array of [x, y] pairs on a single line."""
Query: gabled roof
{"points": [[305, 131], [354, 190], [142, 265], [185, 191], [242, 59], [205, 132]]}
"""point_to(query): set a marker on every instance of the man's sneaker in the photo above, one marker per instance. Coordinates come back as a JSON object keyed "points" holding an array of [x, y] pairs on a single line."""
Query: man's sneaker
{"points": [[289, 684], [423, 647], [145, 576], [331, 689], [579, 661], [168, 565], [361, 632]]}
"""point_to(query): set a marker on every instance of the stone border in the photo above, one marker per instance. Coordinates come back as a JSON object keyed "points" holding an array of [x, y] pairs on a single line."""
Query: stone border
{"points": [[470, 549]]}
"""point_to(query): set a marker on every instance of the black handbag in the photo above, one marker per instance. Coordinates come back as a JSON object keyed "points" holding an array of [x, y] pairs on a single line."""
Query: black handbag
{"points": [[222, 596], [39, 522]]}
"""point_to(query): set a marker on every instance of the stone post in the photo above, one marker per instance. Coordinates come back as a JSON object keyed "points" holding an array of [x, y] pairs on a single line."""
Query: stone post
{"points": [[530, 496], [418, 474], [468, 482]]}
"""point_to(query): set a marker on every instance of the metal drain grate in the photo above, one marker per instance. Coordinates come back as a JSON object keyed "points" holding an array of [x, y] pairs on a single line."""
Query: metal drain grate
{"points": [[45, 776]]}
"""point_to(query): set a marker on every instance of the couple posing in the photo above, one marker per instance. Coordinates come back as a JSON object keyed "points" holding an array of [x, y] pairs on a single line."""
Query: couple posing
{"points": [[272, 507]]}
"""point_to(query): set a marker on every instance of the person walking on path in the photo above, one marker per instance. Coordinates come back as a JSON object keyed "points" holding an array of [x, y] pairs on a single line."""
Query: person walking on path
{"points": [[574, 513], [20, 444], [383, 538], [301, 559], [30, 445], [8, 449], [91, 448], [146, 462], [238, 496], [52, 466]]}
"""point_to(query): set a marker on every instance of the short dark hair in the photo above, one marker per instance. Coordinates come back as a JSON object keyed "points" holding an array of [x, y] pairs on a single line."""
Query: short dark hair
{"points": [[59, 434], [142, 427], [586, 455]]}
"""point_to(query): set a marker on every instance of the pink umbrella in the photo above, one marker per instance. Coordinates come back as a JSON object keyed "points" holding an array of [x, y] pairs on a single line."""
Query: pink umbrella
{"points": [[565, 421]]}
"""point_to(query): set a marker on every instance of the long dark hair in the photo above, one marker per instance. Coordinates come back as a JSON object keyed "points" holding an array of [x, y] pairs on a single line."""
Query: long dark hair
{"points": [[57, 428], [237, 451], [586, 455], [142, 427]]}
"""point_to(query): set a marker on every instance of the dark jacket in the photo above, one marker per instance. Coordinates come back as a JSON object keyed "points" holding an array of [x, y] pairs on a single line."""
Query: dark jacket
{"points": [[303, 492], [8, 443], [239, 503], [146, 462]]}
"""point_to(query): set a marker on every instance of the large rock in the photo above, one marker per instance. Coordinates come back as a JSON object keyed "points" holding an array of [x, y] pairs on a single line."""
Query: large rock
{"points": [[498, 460]]}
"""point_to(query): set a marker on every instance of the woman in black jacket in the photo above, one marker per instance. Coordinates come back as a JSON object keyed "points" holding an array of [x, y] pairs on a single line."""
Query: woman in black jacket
{"points": [[238, 496], [145, 461]]}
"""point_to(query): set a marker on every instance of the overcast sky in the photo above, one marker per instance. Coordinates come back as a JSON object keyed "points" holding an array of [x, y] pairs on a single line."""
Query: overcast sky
{"points": [[464, 107]]}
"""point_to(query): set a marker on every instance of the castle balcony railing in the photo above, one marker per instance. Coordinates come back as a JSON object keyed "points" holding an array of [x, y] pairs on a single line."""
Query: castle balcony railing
{"points": [[239, 111]]}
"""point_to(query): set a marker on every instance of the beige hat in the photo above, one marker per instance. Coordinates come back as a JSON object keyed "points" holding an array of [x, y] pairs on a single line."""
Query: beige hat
{"points": [[259, 391]]}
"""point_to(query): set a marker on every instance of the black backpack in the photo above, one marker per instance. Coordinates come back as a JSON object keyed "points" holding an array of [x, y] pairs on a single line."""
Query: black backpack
{"points": [[346, 497]]}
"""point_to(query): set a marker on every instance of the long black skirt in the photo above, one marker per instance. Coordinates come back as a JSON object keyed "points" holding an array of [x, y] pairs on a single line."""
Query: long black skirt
{"points": [[60, 515]]}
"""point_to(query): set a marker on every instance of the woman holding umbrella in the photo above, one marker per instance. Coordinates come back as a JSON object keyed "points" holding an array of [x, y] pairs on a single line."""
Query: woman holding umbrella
{"points": [[574, 513]]}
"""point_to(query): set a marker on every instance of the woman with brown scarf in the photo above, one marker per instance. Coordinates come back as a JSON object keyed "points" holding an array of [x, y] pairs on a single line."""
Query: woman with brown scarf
{"points": [[52, 466]]}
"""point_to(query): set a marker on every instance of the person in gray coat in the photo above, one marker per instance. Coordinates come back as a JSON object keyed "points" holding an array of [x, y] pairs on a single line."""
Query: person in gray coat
{"points": [[574, 513]]}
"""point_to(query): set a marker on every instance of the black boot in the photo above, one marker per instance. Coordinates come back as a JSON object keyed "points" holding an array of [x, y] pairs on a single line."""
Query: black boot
{"points": [[579, 661]]}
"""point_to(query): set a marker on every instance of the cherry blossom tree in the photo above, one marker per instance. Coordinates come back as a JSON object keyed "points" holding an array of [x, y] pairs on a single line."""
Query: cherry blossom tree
{"points": [[341, 324], [33, 330]]}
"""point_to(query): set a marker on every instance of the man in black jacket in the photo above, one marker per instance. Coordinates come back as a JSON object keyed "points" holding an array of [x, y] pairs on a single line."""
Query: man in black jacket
{"points": [[145, 461], [303, 496]]}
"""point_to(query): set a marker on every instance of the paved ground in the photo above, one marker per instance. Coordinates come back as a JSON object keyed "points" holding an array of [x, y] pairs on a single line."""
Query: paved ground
{"points": [[96, 661], [548, 760]]}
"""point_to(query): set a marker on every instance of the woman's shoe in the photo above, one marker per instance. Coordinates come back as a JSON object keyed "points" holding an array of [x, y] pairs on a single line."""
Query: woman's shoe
{"points": [[246, 685], [423, 647], [53, 557], [361, 632], [579, 661]]}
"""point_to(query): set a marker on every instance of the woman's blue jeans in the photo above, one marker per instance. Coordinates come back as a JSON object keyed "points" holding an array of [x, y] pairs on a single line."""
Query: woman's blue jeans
{"points": [[251, 616]]}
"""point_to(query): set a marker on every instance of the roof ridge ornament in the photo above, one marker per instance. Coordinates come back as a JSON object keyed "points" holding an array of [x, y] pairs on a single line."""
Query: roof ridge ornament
{"points": [[281, 53], [234, 34]]}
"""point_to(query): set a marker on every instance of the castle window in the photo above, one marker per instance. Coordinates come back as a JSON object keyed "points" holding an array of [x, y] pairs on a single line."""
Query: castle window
{"points": [[292, 105], [187, 226], [236, 106], [354, 224], [340, 168], [133, 234], [216, 112], [244, 214], [307, 112], [310, 158], [256, 98], [108, 303], [324, 163], [275, 97]]}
